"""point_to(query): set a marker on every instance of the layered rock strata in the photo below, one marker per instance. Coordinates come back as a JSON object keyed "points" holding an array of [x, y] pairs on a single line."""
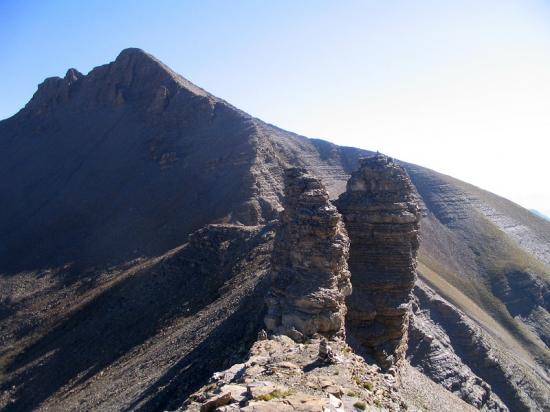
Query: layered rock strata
{"points": [[310, 272], [431, 350], [381, 214]]}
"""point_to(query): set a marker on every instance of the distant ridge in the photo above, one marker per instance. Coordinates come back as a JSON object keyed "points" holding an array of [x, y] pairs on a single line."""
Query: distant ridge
{"points": [[540, 214]]}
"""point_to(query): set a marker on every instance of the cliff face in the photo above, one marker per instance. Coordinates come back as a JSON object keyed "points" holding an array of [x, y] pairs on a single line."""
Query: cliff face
{"points": [[310, 273], [382, 216]]}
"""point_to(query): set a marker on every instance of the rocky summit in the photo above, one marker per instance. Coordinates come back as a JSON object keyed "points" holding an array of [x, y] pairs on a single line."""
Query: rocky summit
{"points": [[310, 271], [382, 214], [162, 250]]}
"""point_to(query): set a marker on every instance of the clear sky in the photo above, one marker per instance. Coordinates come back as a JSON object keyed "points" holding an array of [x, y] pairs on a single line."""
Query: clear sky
{"points": [[462, 87]]}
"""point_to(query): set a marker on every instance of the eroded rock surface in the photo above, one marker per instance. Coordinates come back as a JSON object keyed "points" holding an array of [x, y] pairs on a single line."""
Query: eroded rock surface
{"points": [[282, 375], [381, 214], [460, 355], [431, 350], [310, 273]]}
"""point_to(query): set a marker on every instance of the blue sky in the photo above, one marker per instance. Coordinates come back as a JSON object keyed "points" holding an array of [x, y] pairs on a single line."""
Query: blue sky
{"points": [[462, 87]]}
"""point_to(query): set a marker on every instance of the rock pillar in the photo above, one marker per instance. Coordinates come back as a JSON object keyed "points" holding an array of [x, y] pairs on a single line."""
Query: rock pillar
{"points": [[381, 214], [309, 263]]}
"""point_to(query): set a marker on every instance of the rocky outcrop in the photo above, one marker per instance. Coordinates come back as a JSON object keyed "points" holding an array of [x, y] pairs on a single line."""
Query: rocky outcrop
{"points": [[310, 273], [458, 353], [431, 350], [381, 213], [134, 77], [282, 375], [526, 295], [55, 91]]}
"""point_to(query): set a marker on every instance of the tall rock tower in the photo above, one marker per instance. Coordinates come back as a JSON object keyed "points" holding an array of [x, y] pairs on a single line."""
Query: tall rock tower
{"points": [[381, 213], [310, 271]]}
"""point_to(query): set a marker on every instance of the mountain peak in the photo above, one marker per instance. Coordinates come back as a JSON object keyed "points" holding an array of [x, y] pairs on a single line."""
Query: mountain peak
{"points": [[135, 76], [142, 62], [137, 56], [132, 51]]}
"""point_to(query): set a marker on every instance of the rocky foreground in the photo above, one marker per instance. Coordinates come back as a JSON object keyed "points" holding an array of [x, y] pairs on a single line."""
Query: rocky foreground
{"points": [[298, 369], [282, 375]]}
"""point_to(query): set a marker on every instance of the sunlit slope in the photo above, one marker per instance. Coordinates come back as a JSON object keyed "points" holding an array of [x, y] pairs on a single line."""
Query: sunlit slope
{"points": [[490, 250]]}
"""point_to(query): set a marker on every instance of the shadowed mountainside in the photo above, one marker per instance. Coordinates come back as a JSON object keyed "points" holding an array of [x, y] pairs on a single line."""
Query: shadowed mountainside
{"points": [[135, 239]]}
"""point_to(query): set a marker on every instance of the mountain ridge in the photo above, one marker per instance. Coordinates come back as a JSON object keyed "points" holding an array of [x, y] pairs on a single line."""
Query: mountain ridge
{"points": [[121, 187], [539, 214]]}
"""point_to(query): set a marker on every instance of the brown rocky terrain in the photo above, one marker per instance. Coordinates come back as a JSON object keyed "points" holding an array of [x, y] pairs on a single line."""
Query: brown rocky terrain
{"points": [[282, 375], [163, 324], [136, 246]]}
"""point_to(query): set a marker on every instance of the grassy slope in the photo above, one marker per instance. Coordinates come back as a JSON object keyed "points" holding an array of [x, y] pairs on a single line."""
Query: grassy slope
{"points": [[496, 255]]}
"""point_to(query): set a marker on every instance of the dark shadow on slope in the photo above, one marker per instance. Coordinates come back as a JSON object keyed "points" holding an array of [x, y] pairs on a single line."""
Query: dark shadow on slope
{"points": [[521, 291], [102, 185], [357, 347], [314, 365], [227, 345], [121, 318]]}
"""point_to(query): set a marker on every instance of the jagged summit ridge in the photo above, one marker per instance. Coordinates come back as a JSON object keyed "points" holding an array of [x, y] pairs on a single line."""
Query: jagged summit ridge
{"points": [[133, 77], [130, 132], [138, 56]]}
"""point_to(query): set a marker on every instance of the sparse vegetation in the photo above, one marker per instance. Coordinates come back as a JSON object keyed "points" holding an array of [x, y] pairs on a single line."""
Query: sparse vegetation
{"points": [[200, 302], [360, 405], [276, 394], [496, 255], [363, 383], [368, 385]]}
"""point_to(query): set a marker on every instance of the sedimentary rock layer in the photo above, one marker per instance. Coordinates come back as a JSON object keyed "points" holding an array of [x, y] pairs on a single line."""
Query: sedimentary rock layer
{"points": [[382, 215], [441, 342], [310, 273]]}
